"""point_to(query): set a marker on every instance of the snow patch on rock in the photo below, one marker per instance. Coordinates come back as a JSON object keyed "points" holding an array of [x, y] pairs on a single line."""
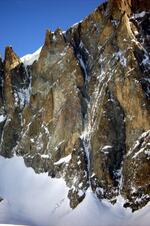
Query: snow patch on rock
{"points": [[66, 159], [2, 118]]}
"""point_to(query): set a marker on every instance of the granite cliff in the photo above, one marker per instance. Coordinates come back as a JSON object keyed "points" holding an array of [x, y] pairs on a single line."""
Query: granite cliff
{"points": [[81, 110]]}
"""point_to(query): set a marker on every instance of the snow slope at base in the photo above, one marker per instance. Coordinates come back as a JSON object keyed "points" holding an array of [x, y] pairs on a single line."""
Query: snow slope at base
{"points": [[30, 198], [92, 212], [38, 200]]}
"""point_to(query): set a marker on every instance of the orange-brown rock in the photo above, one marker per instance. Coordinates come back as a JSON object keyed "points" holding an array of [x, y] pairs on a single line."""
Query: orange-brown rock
{"points": [[86, 98]]}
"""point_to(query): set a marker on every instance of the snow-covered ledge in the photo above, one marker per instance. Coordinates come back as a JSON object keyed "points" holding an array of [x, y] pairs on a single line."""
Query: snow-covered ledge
{"points": [[30, 58]]}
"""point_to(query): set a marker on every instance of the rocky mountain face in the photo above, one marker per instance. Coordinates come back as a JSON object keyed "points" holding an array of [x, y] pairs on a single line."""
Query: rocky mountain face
{"points": [[81, 111]]}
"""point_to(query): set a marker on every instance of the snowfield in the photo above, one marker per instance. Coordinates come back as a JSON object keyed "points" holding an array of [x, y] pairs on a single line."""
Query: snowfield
{"points": [[38, 200]]}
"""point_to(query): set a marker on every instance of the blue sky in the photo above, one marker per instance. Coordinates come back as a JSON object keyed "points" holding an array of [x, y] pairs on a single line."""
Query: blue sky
{"points": [[23, 22]]}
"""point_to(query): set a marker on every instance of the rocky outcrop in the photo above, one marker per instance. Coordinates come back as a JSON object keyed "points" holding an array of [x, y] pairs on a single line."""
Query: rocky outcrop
{"points": [[78, 110], [1, 199], [137, 173]]}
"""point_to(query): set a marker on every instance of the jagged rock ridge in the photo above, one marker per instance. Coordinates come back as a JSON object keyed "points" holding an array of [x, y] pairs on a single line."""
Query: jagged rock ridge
{"points": [[81, 111]]}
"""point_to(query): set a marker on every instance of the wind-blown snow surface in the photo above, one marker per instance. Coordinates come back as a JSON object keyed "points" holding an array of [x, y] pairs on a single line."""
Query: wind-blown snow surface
{"points": [[11, 225], [38, 200]]}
